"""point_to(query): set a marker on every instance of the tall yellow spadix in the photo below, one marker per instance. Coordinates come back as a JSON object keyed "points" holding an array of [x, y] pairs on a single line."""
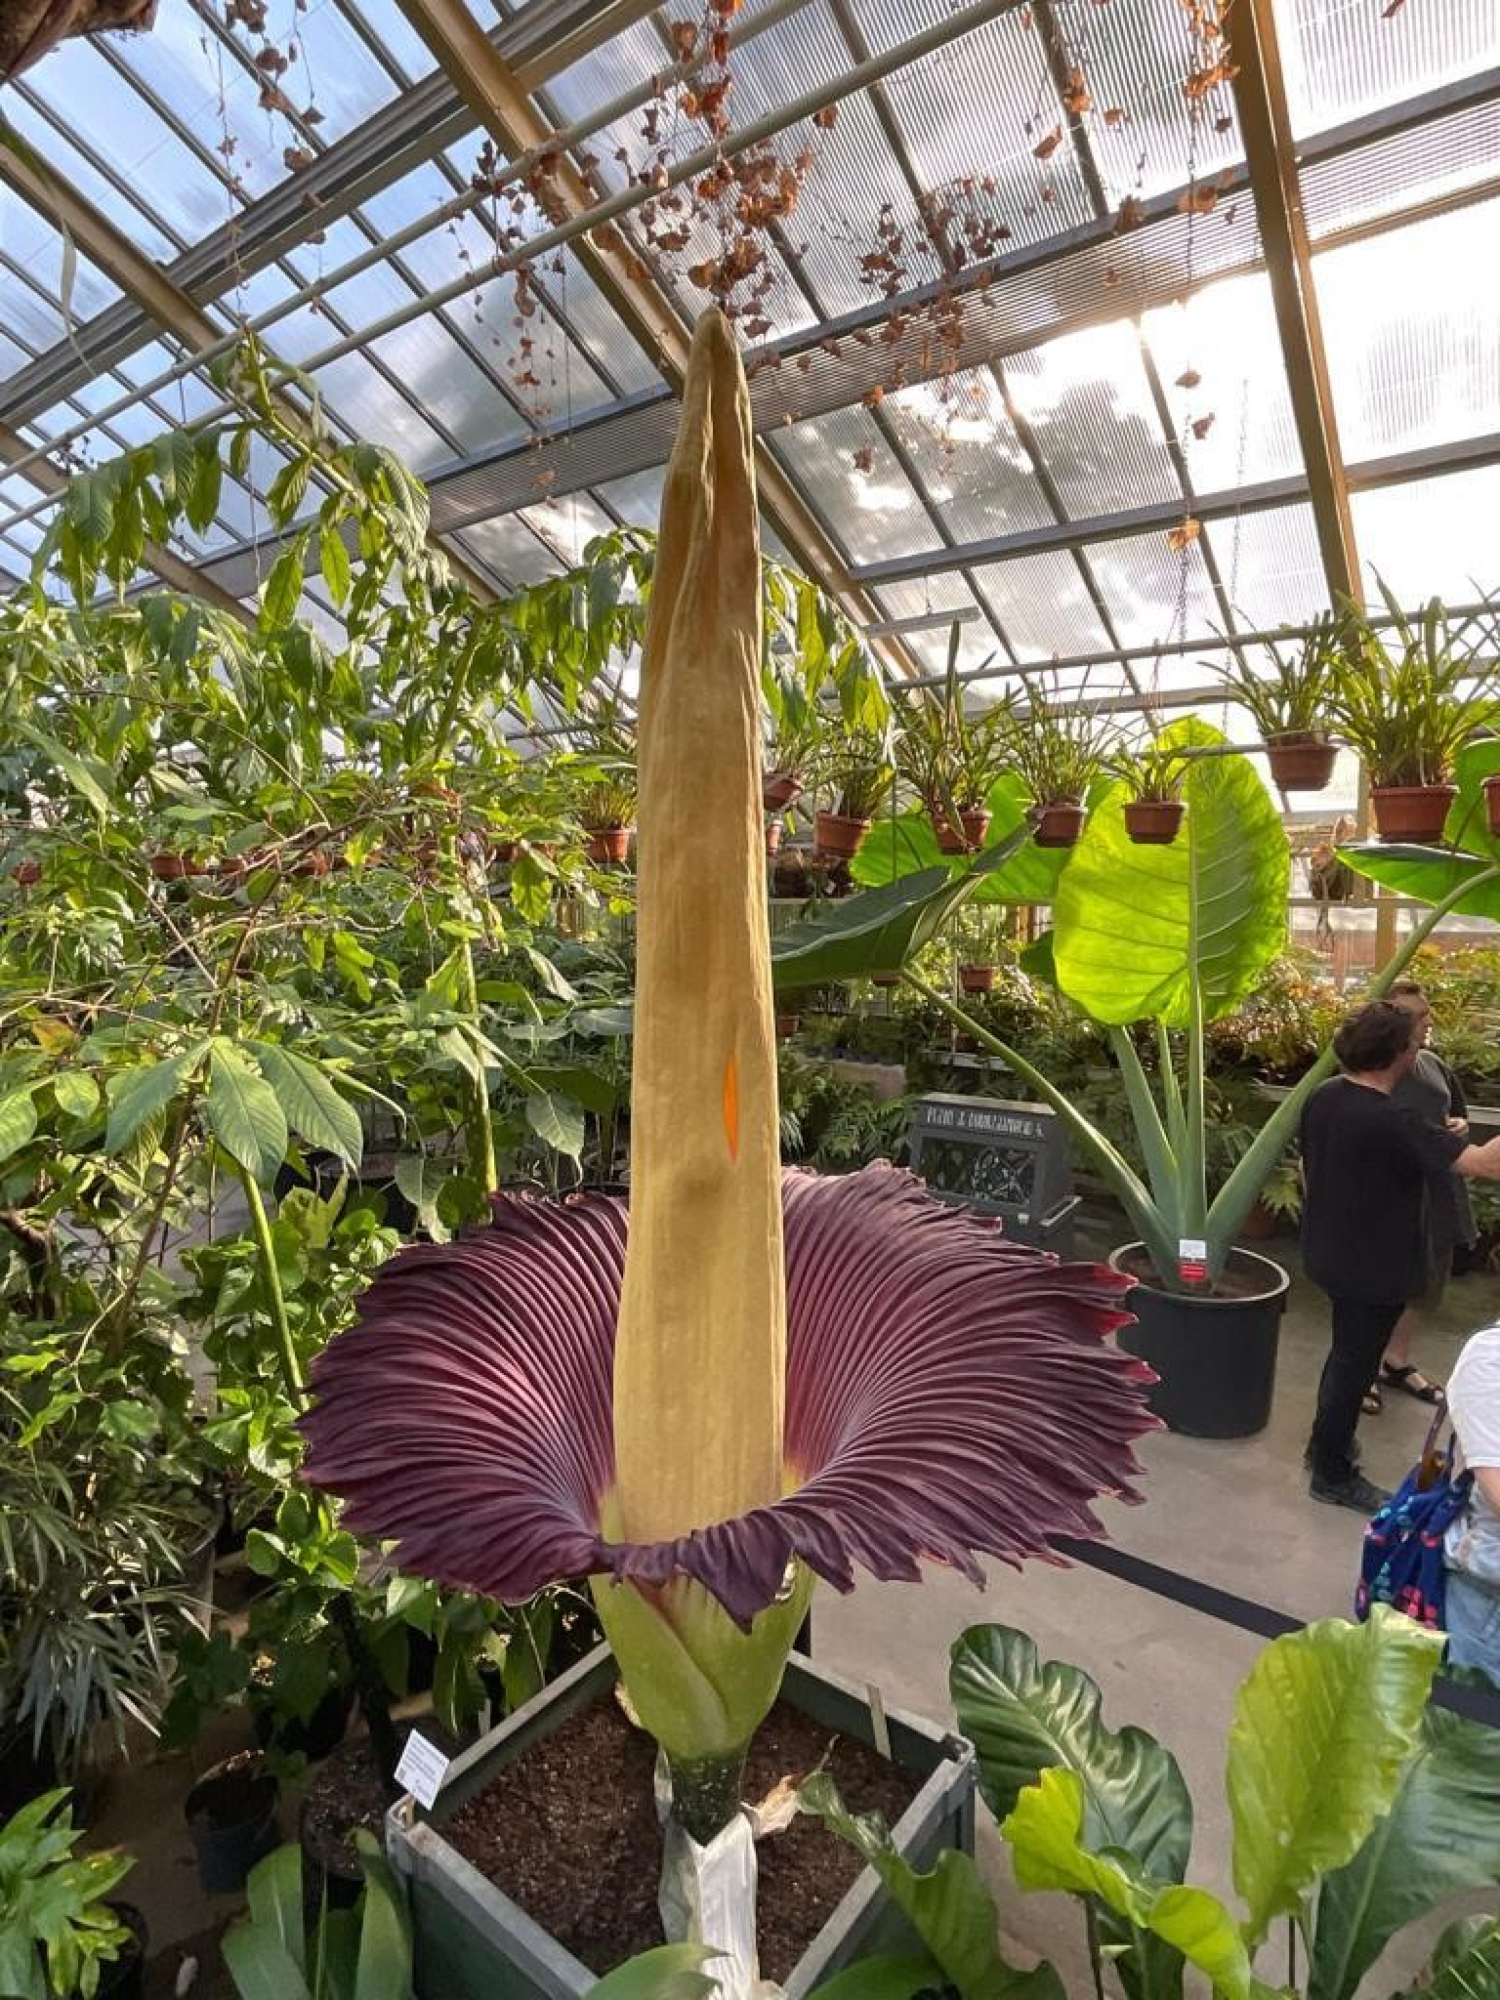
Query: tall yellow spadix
{"points": [[700, 1360]]}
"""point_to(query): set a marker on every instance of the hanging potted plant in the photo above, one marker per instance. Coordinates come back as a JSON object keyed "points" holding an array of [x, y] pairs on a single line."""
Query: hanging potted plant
{"points": [[1059, 752], [1408, 705], [856, 769], [1151, 779], [1291, 702], [792, 751], [951, 758], [665, 1398], [979, 948], [607, 810]]}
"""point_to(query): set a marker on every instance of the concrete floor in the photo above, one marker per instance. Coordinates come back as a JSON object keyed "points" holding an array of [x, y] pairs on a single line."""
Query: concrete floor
{"points": [[1233, 1514]]}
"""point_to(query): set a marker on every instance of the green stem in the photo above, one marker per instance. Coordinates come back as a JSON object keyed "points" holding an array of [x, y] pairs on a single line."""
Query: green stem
{"points": [[291, 1367], [706, 1792]]}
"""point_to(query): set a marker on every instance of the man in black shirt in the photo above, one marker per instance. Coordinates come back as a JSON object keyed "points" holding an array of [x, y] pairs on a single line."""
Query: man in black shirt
{"points": [[1368, 1166]]}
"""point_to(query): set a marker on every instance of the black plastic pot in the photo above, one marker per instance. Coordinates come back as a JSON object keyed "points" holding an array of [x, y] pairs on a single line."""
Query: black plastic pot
{"points": [[1216, 1357], [231, 1817], [124, 1978]]}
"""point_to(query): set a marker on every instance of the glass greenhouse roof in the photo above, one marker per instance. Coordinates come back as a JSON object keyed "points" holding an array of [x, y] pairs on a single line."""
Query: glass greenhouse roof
{"points": [[1020, 343]]}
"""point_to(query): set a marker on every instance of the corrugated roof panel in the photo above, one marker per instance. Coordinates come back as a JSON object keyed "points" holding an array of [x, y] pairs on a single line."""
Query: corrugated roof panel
{"points": [[1043, 606], [1087, 401], [1136, 57], [1226, 337], [968, 456], [1412, 322], [1432, 537], [1271, 567], [874, 513], [1420, 165], [1152, 592], [1342, 57]]}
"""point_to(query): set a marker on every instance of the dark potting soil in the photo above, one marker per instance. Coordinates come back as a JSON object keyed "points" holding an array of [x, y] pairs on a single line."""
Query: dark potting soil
{"points": [[1232, 1284], [570, 1833], [347, 1792]]}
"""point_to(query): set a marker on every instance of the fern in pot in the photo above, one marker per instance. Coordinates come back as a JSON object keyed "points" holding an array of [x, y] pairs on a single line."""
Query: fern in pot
{"points": [[951, 758]]}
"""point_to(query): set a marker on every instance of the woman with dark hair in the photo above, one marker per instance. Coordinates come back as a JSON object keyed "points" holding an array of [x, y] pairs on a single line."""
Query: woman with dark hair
{"points": [[1434, 1093], [1367, 1161]]}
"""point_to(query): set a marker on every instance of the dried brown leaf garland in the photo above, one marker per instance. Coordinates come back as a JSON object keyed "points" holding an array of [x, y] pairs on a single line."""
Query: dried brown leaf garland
{"points": [[864, 459], [1189, 379], [1201, 426], [1183, 535], [1076, 99], [1045, 148], [1198, 200]]}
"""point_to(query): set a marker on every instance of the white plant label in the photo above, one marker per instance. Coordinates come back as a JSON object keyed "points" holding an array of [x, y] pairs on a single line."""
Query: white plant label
{"points": [[1192, 1260], [423, 1769]]}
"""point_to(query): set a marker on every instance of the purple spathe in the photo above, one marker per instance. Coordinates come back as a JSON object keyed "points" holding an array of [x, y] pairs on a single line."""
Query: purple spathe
{"points": [[950, 1394]]}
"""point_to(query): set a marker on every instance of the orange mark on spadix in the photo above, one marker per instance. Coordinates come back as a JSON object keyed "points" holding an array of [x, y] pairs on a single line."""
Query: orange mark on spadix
{"points": [[732, 1108]]}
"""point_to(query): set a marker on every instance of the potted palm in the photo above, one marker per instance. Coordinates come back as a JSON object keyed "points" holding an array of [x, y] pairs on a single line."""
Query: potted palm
{"points": [[607, 811], [856, 769], [665, 1398], [1151, 777], [1408, 705], [1290, 703], [951, 758], [1059, 752]]}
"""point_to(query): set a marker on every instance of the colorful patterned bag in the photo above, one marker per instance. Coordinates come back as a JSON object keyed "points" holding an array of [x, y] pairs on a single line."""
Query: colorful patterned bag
{"points": [[1402, 1561]]}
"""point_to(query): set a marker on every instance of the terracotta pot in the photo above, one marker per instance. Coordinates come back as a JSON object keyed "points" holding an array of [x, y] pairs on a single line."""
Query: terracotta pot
{"points": [[608, 843], [443, 794], [1300, 760], [885, 979], [506, 851], [836, 838], [773, 839], [966, 837], [1261, 1224], [1411, 812], [172, 867], [787, 1025], [1154, 822], [1491, 806], [316, 861], [1059, 825], [27, 872], [977, 978], [779, 789], [234, 867]]}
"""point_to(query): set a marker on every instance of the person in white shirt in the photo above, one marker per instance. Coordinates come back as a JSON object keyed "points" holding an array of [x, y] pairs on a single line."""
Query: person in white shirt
{"points": [[1472, 1550]]}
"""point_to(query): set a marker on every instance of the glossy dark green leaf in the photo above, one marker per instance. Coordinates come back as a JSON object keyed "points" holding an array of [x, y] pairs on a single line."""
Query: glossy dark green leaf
{"points": [[880, 1979], [244, 1113], [1440, 1838], [1023, 1715], [878, 930]]}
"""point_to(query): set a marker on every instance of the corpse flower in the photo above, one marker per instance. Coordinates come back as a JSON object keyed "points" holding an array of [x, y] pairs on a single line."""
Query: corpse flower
{"points": [[751, 1378]]}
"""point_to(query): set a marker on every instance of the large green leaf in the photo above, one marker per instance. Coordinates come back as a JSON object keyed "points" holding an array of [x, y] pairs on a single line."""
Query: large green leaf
{"points": [[384, 1967], [1324, 1729], [906, 843], [17, 1121], [670, 1972], [273, 1890], [558, 1122], [950, 1909], [1466, 1964], [1429, 874], [1045, 1832], [880, 1979], [878, 930], [1440, 1838], [138, 1095], [312, 1103], [1133, 924], [1024, 1715], [245, 1114]]}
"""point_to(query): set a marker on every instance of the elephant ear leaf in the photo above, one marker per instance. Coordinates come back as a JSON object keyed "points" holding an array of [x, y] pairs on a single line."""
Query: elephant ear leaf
{"points": [[950, 1909], [1324, 1730], [1136, 926], [1429, 874], [1025, 1715], [1440, 1838], [904, 843], [879, 930], [669, 1972]]}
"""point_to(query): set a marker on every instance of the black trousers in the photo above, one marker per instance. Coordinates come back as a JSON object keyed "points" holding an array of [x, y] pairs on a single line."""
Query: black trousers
{"points": [[1360, 1333]]}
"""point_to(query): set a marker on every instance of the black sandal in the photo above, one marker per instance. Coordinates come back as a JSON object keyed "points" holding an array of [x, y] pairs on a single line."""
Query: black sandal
{"points": [[1372, 1402], [1431, 1393]]}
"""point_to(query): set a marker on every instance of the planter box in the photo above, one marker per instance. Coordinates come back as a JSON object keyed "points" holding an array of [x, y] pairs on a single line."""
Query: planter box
{"points": [[473, 1943]]}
